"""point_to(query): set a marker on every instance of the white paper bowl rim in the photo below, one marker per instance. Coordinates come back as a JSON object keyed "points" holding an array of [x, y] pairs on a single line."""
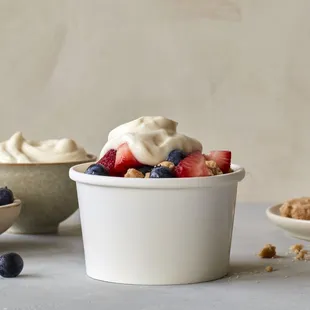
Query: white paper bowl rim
{"points": [[77, 174]]}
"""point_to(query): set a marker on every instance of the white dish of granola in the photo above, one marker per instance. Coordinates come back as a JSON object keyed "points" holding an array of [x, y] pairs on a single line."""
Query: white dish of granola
{"points": [[292, 217]]}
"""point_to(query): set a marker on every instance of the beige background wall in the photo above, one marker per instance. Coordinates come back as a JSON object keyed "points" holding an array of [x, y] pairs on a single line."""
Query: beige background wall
{"points": [[235, 74]]}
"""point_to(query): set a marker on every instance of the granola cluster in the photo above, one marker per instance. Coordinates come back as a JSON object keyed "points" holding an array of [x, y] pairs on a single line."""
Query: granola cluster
{"points": [[297, 208], [213, 167]]}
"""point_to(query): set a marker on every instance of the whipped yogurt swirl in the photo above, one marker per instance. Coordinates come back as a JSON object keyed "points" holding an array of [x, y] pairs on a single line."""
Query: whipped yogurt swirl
{"points": [[19, 150], [150, 139]]}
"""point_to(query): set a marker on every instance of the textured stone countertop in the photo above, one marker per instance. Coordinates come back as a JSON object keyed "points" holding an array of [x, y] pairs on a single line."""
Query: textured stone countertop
{"points": [[54, 275]]}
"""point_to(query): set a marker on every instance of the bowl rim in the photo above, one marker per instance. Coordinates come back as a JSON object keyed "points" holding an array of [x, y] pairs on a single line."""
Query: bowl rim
{"points": [[14, 204], [91, 158], [77, 174]]}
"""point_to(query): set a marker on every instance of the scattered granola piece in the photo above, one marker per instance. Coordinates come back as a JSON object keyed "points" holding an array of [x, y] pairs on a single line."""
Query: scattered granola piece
{"points": [[133, 173], [296, 248], [167, 164], [269, 269], [268, 251], [147, 175], [301, 255]]}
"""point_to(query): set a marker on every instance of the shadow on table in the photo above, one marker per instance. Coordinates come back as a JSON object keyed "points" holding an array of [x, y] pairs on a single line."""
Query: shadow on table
{"points": [[68, 238], [28, 276], [73, 231], [246, 267], [23, 244]]}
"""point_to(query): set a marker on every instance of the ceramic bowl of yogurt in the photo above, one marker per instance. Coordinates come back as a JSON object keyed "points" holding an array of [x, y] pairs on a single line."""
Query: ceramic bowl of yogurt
{"points": [[37, 173], [156, 231]]}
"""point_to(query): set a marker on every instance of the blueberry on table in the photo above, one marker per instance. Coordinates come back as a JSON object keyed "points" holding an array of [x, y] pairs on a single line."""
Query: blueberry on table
{"points": [[6, 196], [161, 172], [176, 156], [11, 265], [145, 169], [97, 169]]}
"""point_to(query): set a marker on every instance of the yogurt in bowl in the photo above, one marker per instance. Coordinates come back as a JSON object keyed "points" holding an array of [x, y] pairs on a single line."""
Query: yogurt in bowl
{"points": [[19, 150], [173, 226], [37, 172]]}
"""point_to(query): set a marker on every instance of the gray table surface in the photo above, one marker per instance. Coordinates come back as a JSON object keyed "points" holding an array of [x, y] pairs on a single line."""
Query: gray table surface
{"points": [[54, 275]]}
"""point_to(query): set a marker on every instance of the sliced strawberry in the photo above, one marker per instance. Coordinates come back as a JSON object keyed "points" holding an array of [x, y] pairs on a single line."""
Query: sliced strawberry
{"points": [[124, 159], [222, 158], [192, 166], [206, 156], [108, 160]]}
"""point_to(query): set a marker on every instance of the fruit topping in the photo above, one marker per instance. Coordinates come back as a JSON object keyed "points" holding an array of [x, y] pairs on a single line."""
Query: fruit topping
{"points": [[192, 166], [222, 158], [161, 172], [176, 156], [125, 159], [97, 169], [6, 196], [108, 160]]}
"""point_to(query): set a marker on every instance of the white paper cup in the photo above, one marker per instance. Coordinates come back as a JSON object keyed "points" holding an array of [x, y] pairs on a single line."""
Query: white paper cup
{"points": [[156, 231]]}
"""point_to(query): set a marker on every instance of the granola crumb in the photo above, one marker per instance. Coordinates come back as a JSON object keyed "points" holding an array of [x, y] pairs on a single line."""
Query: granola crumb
{"points": [[147, 175], [296, 248], [167, 164], [213, 167], [269, 269], [268, 251], [133, 173], [301, 255]]}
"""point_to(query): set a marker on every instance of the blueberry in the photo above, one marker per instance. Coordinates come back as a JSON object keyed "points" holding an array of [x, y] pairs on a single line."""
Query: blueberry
{"points": [[145, 169], [97, 169], [6, 196], [176, 156], [161, 172], [11, 265]]}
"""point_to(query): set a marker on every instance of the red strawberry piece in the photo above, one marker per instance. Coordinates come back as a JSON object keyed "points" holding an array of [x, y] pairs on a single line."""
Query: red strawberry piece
{"points": [[192, 166], [222, 158], [125, 159], [206, 156], [108, 160]]}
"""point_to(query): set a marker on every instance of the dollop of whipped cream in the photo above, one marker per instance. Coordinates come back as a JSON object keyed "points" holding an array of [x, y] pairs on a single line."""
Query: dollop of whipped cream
{"points": [[150, 139], [19, 150]]}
